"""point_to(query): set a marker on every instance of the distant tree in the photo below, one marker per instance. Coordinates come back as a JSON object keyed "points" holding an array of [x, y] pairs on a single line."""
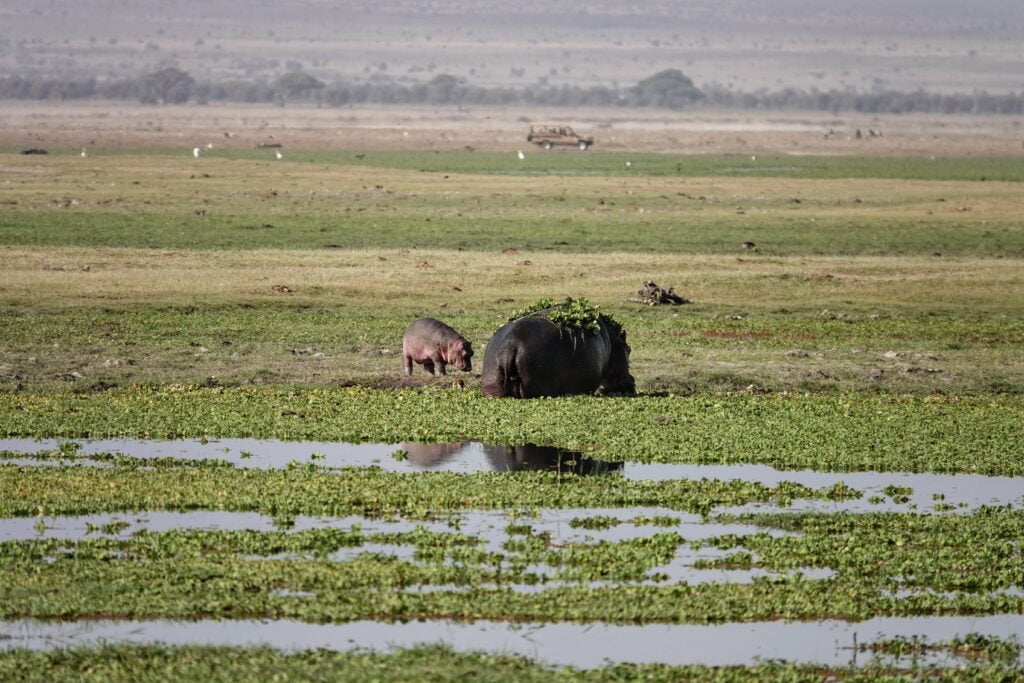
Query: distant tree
{"points": [[442, 89], [669, 88], [298, 84], [167, 86]]}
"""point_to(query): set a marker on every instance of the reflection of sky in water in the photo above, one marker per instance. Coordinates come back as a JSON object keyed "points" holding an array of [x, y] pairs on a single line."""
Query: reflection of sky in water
{"points": [[825, 643], [928, 490]]}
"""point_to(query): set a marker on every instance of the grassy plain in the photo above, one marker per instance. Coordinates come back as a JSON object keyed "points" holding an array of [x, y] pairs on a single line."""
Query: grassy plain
{"points": [[152, 268], [875, 323], [480, 201]]}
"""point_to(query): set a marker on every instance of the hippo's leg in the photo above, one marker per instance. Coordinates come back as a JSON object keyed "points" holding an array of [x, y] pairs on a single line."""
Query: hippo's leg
{"points": [[438, 362], [428, 365], [408, 365]]}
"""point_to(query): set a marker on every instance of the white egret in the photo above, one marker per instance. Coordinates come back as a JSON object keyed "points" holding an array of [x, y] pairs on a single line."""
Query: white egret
{"points": [[521, 155], [278, 153], [195, 152]]}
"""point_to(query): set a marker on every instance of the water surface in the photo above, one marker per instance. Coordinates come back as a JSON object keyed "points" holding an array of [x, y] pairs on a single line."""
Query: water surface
{"points": [[927, 492], [823, 643]]}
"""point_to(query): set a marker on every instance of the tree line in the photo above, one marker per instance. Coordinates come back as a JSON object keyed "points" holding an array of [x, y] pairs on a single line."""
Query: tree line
{"points": [[669, 89]]}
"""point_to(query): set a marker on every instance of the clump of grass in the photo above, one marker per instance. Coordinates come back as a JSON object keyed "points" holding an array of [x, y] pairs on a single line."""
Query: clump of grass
{"points": [[113, 527], [899, 494], [597, 522], [979, 646], [974, 646], [897, 646], [656, 520]]}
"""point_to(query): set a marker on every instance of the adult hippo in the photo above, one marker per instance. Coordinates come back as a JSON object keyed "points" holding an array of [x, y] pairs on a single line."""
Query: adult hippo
{"points": [[533, 356]]}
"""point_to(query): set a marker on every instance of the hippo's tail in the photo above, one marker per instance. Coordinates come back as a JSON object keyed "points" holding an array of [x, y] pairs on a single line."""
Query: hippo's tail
{"points": [[505, 380]]}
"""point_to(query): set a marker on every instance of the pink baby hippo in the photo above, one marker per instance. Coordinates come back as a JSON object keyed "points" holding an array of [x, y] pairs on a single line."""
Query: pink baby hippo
{"points": [[433, 344]]}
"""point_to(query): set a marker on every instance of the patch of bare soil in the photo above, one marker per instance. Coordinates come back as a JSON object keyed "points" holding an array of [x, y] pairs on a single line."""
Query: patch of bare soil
{"points": [[118, 124]]}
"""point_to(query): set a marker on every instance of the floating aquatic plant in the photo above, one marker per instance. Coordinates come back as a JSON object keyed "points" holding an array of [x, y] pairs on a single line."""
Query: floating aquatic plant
{"points": [[574, 314]]}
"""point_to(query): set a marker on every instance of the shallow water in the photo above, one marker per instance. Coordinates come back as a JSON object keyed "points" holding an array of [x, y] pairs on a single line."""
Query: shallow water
{"points": [[824, 643], [490, 527], [960, 492]]}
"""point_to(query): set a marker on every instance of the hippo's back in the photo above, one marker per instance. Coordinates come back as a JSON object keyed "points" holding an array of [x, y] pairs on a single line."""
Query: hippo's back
{"points": [[430, 328]]}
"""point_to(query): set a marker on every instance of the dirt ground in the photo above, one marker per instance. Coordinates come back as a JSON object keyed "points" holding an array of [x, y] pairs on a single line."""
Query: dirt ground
{"points": [[119, 124]]}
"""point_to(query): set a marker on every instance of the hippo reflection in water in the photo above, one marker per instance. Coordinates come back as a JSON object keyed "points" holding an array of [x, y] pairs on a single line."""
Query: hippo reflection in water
{"points": [[511, 458], [431, 454], [530, 457]]}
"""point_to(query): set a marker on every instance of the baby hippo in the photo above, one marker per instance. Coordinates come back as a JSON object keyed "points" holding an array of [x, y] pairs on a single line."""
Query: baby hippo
{"points": [[432, 344]]}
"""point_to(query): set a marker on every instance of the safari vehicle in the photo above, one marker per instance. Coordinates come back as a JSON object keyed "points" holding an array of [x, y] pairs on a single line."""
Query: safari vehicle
{"points": [[547, 136]]}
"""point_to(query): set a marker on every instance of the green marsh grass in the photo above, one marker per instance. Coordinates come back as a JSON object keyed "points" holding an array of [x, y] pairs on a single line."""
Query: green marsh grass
{"points": [[829, 432], [597, 163], [879, 564], [429, 663], [154, 201]]}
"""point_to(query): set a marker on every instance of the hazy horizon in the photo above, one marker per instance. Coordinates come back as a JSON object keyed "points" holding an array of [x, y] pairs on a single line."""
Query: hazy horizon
{"points": [[740, 44]]}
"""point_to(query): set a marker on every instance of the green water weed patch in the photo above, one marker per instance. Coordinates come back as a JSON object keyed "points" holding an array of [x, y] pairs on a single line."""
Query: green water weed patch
{"points": [[428, 663], [308, 490], [974, 646], [186, 574], [920, 557], [842, 432]]}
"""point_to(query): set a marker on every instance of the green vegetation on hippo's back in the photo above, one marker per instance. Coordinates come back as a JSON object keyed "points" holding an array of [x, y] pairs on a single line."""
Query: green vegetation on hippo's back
{"points": [[572, 314]]}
